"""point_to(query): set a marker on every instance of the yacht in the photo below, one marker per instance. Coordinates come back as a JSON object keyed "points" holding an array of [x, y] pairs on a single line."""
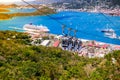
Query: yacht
{"points": [[108, 30], [111, 34]]}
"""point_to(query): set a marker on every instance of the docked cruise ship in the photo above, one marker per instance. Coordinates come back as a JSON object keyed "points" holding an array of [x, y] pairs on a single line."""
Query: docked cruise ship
{"points": [[35, 28]]}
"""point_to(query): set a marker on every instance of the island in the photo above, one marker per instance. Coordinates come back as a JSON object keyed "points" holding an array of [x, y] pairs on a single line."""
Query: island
{"points": [[3, 10], [42, 11]]}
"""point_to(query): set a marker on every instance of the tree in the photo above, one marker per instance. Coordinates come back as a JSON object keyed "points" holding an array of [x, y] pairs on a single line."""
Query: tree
{"points": [[116, 2]]}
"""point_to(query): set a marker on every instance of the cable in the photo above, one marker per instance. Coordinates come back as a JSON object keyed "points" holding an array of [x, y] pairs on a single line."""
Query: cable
{"points": [[107, 18], [64, 24], [41, 11]]}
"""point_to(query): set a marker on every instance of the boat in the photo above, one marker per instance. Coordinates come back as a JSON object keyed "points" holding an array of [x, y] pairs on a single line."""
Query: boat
{"points": [[108, 30], [110, 35], [35, 28]]}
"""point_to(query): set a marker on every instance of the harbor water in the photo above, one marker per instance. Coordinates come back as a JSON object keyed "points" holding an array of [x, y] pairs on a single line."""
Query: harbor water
{"points": [[89, 25]]}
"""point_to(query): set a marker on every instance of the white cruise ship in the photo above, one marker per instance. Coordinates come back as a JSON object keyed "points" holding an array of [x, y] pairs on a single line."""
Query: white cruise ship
{"points": [[35, 28]]}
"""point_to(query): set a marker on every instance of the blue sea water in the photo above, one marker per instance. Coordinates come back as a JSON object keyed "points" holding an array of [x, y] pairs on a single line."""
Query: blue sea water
{"points": [[88, 24], [14, 10]]}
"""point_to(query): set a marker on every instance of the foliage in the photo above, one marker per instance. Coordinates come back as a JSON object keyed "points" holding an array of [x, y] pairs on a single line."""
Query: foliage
{"points": [[22, 61], [116, 2]]}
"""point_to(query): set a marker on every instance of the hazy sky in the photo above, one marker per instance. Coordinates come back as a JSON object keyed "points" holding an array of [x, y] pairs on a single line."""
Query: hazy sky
{"points": [[12, 1], [20, 1]]}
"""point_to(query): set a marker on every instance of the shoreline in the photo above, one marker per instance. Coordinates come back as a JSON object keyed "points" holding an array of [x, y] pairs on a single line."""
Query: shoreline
{"points": [[5, 16], [114, 12], [82, 39], [88, 48], [2, 10], [44, 11]]}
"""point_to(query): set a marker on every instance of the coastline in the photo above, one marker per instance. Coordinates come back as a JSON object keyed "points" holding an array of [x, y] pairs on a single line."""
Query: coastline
{"points": [[27, 15], [88, 48], [2, 10], [43, 11], [46, 10], [113, 12]]}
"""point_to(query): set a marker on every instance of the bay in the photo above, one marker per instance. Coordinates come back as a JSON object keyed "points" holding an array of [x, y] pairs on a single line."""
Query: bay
{"points": [[89, 25]]}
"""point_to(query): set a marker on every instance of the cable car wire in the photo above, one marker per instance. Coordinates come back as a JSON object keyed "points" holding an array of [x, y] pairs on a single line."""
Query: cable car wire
{"points": [[61, 23]]}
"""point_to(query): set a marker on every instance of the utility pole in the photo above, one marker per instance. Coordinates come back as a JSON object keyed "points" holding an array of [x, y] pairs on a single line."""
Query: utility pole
{"points": [[69, 29], [75, 31], [63, 27]]}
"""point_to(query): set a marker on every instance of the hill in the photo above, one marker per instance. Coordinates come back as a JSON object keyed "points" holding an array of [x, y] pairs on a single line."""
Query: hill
{"points": [[42, 11], [19, 60], [87, 4], [3, 10], [8, 6]]}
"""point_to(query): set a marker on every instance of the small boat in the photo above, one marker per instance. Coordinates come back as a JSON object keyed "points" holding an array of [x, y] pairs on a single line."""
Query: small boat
{"points": [[110, 35], [108, 30]]}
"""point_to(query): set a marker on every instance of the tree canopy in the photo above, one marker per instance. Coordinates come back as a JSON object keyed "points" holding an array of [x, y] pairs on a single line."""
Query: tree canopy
{"points": [[116, 2], [19, 60]]}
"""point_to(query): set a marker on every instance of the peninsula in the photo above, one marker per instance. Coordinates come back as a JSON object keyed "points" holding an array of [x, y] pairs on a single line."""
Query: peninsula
{"points": [[3, 10], [41, 11]]}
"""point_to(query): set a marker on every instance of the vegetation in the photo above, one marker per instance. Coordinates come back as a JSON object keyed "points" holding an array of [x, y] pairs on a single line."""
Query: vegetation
{"points": [[21, 61], [8, 6], [116, 2], [42, 11], [4, 16], [3, 10]]}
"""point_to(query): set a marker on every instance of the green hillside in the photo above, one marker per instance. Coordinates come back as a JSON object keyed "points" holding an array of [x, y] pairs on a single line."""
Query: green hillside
{"points": [[21, 61]]}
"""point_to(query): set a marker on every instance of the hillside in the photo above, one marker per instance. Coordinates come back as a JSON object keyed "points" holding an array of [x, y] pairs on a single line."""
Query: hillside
{"points": [[21, 61], [3, 10], [8, 6], [87, 4], [42, 11]]}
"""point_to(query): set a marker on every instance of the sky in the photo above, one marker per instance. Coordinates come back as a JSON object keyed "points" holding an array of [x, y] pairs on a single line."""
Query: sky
{"points": [[20, 1], [12, 1]]}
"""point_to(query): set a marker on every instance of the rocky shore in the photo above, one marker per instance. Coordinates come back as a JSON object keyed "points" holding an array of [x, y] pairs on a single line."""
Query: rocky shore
{"points": [[113, 12]]}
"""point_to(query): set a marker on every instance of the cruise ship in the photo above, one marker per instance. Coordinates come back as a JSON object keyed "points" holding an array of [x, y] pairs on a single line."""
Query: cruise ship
{"points": [[35, 28]]}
